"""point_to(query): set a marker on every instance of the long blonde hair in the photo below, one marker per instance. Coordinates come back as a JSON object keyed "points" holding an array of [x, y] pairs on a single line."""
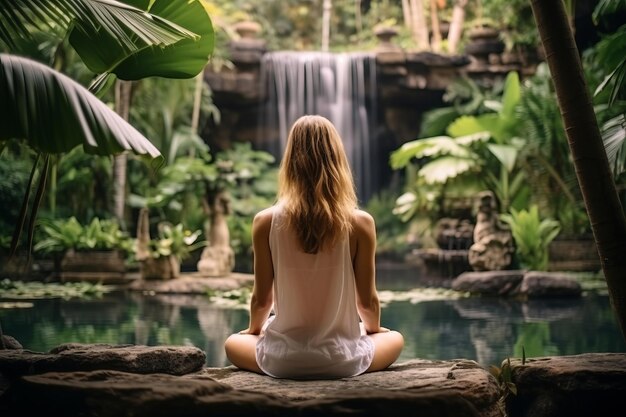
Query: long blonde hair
{"points": [[315, 184]]}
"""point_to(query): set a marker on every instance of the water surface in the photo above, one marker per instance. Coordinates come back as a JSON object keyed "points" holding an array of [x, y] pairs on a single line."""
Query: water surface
{"points": [[487, 330]]}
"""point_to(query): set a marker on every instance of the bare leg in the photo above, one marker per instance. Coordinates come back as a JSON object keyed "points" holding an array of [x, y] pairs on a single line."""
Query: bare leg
{"points": [[388, 346], [241, 351]]}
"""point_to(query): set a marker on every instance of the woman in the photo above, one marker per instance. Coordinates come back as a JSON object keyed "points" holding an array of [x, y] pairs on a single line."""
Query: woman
{"points": [[314, 264]]}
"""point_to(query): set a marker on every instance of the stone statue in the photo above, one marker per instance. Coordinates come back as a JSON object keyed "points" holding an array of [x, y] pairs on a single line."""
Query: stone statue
{"points": [[163, 267], [218, 257], [493, 246]]}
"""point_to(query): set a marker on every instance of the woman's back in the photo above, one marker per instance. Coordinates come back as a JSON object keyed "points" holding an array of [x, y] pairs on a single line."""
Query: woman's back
{"points": [[315, 332]]}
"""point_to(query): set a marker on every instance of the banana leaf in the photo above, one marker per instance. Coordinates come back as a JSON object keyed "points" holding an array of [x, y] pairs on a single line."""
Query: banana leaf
{"points": [[132, 27], [54, 114], [441, 170], [102, 53]]}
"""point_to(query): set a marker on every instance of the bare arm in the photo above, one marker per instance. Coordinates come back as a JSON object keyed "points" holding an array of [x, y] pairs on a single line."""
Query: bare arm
{"points": [[364, 265], [262, 294]]}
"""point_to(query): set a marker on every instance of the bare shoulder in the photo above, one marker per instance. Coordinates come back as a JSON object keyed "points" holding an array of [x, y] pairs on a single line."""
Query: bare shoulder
{"points": [[363, 222], [263, 219]]}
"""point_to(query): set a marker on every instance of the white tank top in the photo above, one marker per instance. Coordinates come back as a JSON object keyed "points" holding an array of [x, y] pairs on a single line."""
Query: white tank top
{"points": [[315, 331]]}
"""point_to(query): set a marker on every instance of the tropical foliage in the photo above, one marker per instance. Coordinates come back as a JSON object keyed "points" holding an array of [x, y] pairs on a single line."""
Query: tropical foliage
{"points": [[606, 74], [448, 166], [182, 190], [546, 159], [512, 141], [132, 39], [174, 240], [532, 236], [60, 235], [299, 25]]}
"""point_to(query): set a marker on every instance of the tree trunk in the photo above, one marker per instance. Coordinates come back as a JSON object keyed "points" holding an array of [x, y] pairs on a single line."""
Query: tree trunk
{"points": [[590, 161], [358, 17], [418, 24], [327, 7], [456, 25], [434, 25], [122, 107], [406, 13], [197, 106]]}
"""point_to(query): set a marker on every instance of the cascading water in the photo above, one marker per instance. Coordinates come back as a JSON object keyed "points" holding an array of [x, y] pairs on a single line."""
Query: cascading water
{"points": [[340, 87]]}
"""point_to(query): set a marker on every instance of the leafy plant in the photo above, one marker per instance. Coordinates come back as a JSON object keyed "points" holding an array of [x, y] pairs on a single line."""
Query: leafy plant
{"points": [[14, 171], [61, 235], [80, 186], [174, 240], [516, 20], [546, 158], [392, 233], [532, 236], [505, 381]]}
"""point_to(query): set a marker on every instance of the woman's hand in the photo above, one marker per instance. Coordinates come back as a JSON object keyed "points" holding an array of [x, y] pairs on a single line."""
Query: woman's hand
{"points": [[381, 329], [248, 331]]}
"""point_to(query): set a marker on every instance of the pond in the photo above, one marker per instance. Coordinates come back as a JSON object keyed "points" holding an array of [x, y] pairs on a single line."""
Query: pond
{"points": [[487, 330]]}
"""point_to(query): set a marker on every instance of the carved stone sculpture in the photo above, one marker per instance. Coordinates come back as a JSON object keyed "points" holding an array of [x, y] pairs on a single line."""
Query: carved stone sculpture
{"points": [[218, 257], [493, 246], [164, 267]]}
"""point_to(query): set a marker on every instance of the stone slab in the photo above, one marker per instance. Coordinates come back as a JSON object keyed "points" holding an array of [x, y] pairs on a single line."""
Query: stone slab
{"points": [[461, 377], [426, 388], [590, 384], [175, 360]]}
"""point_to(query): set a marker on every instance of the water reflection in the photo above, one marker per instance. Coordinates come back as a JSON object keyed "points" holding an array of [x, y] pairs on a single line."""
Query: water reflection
{"points": [[487, 330]]}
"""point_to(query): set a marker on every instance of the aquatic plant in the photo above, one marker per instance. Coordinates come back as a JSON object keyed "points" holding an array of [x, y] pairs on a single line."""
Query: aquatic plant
{"points": [[22, 290]]}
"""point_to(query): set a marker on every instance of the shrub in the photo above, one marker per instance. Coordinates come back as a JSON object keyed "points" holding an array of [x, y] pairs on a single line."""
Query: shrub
{"points": [[532, 236]]}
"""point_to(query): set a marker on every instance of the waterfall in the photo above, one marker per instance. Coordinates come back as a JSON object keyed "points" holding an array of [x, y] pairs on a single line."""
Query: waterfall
{"points": [[340, 87]]}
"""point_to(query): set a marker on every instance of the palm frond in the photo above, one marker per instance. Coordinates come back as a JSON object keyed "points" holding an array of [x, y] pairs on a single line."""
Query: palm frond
{"points": [[54, 113], [614, 64], [613, 136], [132, 27], [607, 7]]}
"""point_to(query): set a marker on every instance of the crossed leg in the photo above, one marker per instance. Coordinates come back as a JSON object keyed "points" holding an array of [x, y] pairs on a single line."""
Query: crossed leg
{"points": [[387, 348], [241, 351]]}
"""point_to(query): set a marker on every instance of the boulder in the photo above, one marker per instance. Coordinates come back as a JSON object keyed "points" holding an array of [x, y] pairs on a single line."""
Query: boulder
{"points": [[175, 360], [590, 384], [9, 342], [517, 283], [549, 284], [501, 283]]}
